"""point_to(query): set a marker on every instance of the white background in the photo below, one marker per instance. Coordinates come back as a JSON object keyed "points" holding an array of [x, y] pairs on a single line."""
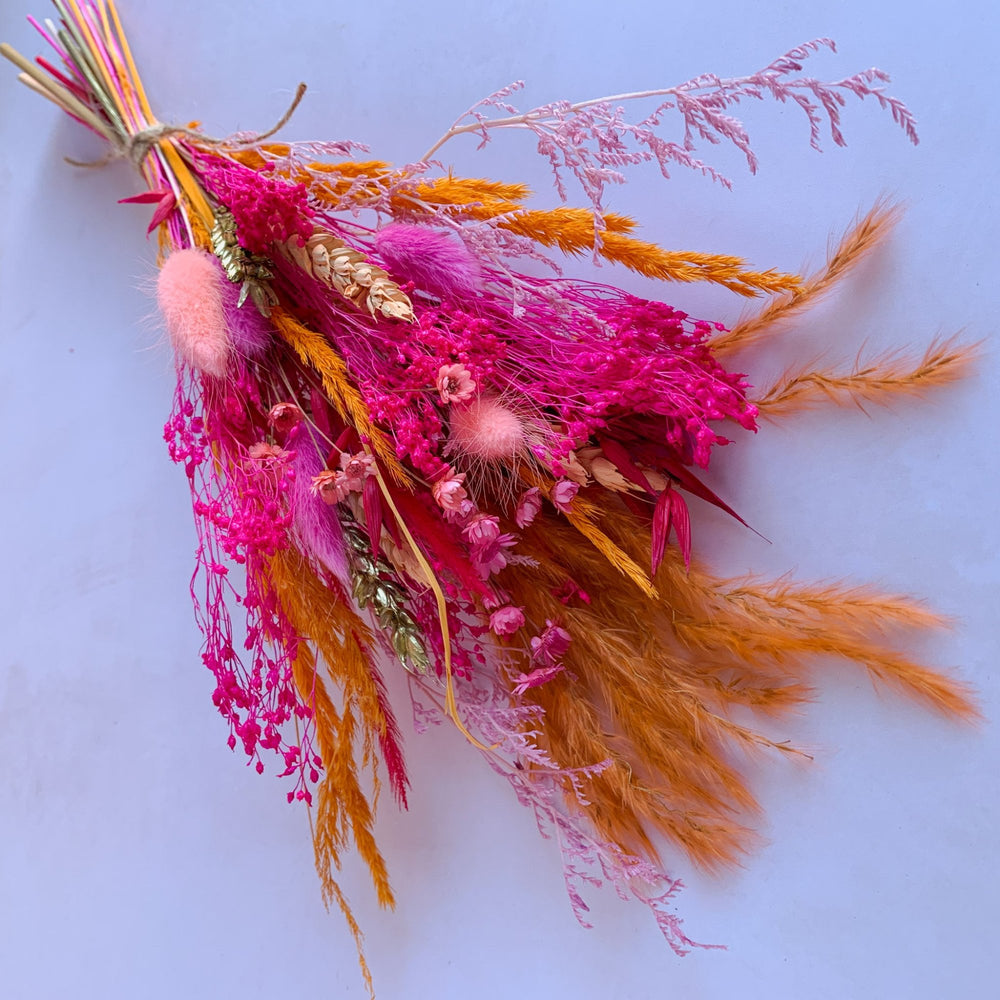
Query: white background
{"points": [[140, 859]]}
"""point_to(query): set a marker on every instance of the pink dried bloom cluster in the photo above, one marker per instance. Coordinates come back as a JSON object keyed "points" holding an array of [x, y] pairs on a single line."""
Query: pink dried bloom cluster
{"points": [[335, 485], [266, 209]]}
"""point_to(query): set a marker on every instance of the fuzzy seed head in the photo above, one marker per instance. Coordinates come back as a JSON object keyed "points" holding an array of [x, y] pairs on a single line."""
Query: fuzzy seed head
{"points": [[486, 429], [190, 295]]}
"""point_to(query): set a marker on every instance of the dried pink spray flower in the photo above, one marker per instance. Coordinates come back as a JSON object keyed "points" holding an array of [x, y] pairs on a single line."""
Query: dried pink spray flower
{"points": [[507, 620], [455, 384], [330, 486], [536, 677], [448, 492], [356, 469], [284, 416], [564, 492]]}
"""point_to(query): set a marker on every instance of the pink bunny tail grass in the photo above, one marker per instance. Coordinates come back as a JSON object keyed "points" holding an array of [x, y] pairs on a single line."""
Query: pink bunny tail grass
{"points": [[315, 522], [432, 260], [249, 330], [189, 291], [486, 429]]}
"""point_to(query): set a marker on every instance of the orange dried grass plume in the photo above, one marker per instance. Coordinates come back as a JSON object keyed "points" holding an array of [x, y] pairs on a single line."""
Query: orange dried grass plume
{"points": [[653, 684], [877, 380], [854, 246], [344, 814]]}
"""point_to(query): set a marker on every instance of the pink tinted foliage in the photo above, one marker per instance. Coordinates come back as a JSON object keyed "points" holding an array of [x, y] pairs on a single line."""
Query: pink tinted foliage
{"points": [[594, 142], [541, 784], [671, 512]]}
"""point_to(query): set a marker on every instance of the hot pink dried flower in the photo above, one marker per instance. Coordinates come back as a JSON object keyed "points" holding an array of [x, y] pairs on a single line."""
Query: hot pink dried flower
{"points": [[528, 507], [482, 530], [455, 384], [549, 647], [537, 676]]}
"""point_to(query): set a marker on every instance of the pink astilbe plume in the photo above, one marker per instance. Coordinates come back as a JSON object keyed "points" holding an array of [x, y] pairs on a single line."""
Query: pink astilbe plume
{"points": [[435, 261]]}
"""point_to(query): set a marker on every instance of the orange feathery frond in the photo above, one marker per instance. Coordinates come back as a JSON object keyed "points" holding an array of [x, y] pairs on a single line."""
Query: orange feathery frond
{"points": [[652, 678], [877, 380], [338, 634], [573, 231], [853, 247]]}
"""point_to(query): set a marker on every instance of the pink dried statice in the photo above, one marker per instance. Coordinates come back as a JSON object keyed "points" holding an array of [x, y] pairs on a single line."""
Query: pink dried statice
{"points": [[548, 648]]}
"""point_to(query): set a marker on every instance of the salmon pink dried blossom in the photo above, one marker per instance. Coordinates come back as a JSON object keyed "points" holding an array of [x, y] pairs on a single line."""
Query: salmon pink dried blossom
{"points": [[356, 469], [448, 492], [331, 486], [455, 384]]}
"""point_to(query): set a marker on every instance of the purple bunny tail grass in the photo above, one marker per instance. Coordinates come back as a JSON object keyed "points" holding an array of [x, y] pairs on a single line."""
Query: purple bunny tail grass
{"points": [[315, 522], [434, 261], [249, 332]]}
